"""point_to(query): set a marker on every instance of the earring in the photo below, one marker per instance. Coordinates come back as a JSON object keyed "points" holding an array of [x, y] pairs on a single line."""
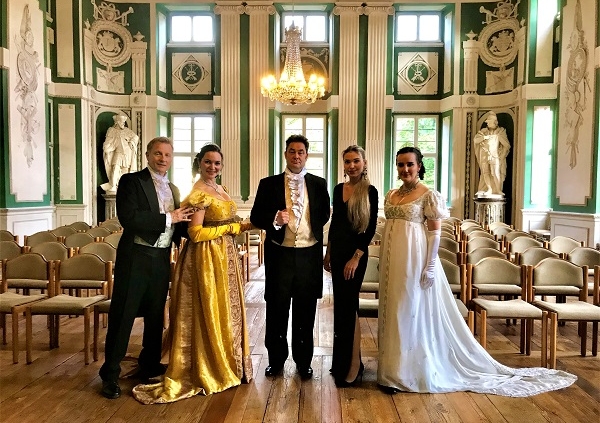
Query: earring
{"points": [[364, 174], [345, 176]]}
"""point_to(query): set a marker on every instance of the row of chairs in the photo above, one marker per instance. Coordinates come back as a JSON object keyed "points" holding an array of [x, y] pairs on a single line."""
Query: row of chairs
{"points": [[56, 250], [32, 271]]}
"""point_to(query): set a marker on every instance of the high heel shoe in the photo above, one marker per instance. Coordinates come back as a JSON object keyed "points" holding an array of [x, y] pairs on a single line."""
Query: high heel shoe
{"points": [[388, 389], [342, 383]]}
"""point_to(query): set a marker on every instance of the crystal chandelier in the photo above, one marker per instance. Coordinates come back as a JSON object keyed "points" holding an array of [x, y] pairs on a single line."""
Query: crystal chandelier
{"points": [[292, 88]]}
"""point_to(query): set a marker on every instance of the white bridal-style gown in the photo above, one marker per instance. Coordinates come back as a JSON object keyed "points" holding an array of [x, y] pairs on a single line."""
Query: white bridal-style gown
{"points": [[424, 342]]}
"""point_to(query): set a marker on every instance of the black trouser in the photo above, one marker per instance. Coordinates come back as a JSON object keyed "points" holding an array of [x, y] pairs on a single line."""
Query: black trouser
{"points": [[291, 281], [143, 293]]}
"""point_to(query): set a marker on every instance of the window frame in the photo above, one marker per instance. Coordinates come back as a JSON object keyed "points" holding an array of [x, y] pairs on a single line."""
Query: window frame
{"points": [[195, 145], [191, 42], [415, 143], [419, 14], [304, 14], [324, 155]]}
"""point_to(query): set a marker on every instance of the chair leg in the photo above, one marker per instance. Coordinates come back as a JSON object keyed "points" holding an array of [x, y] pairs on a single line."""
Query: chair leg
{"points": [[96, 330], [86, 334], [595, 339], [544, 352], [471, 320], [553, 332], [3, 324], [15, 332], [528, 331], [522, 342], [483, 335], [28, 334], [583, 326]]}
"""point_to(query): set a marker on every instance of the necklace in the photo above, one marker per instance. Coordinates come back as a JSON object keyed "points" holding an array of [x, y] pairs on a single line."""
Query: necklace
{"points": [[403, 192], [213, 185]]}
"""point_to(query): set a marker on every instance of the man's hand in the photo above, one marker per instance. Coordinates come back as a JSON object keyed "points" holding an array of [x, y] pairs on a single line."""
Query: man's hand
{"points": [[282, 217], [181, 214]]}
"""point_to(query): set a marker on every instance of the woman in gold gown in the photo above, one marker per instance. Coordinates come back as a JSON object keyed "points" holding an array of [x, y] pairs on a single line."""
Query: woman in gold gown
{"points": [[208, 337]]}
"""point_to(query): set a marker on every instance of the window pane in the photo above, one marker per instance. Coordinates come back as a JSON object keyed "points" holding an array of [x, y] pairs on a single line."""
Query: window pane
{"points": [[316, 28], [182, 135], [406, 28], [314, 165], [203, 122], [203, 28], [181, 174], [429, 28], [541, 157], [182, 146], [181, 28], [427, 147], [315, 147], [182, 122], [315, 123], [429, 180]]}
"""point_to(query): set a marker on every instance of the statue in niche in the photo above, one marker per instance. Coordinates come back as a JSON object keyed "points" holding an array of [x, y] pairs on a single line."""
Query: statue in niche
{"points": [[119, 152], [491, 147]]}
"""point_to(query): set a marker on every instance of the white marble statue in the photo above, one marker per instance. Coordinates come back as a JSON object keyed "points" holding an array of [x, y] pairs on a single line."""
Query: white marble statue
{"points": [[120, 152], [491, 148]]}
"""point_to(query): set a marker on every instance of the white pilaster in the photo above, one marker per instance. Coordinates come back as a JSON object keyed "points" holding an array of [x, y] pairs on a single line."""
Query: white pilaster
{"points": [[376, 92], [349, 14], [230, 95], [259, 105]]}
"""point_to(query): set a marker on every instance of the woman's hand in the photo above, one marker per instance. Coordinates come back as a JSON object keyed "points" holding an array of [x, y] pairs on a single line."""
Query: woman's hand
{"points": [[327, 262], [350, 268]]}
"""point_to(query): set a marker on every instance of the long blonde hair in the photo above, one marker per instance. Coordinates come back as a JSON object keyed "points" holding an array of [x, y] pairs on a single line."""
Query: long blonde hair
{"points": [[359, 206]]}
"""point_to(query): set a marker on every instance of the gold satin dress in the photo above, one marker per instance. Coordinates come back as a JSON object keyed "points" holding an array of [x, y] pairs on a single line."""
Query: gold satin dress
{"points": [[207, 336]]}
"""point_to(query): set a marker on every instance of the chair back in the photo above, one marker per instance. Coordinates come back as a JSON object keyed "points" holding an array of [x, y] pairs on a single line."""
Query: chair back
{"points": [[80, 226], [480, 234], [495, 270], [78, 240], [104, 250], [479, 254], [456, 276], [111, 225], [515, 234], [451, 219], [63, 231], [85, 271], [39, 237], [533, 255], [9, 249], [521, 243], [563, 244], [52, 250], [472, 228], [481, 242], [99, 232], [114, 238], [28, 271], [584, 256], [555, 276], [448, 255], [374, 250], [7, 236], [372, 272], [496, 225], [450, 244], [501, 231], [465, 224]]}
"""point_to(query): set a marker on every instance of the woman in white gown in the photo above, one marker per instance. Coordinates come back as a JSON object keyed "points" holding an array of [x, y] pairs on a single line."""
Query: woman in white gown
{"points": [[424, 343]]}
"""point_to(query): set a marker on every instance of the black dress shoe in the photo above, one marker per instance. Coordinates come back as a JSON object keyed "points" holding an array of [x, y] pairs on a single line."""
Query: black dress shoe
{"points": [[273, 371], [305, 373], [144, 375], [110, 390]]}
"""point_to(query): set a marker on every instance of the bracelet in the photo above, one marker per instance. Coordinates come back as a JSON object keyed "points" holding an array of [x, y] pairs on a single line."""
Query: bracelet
{"points": [[357, 256]]}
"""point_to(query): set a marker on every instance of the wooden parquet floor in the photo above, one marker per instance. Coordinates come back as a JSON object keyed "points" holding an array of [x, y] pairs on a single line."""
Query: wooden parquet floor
{"points": [[59, 387]]}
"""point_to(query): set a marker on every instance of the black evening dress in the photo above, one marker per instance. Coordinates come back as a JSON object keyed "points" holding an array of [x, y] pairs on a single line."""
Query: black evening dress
{"points": [[344, 241]]}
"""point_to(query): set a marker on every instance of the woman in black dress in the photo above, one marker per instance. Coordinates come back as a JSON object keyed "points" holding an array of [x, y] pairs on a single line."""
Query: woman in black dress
{"points": [[352, 227]]}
